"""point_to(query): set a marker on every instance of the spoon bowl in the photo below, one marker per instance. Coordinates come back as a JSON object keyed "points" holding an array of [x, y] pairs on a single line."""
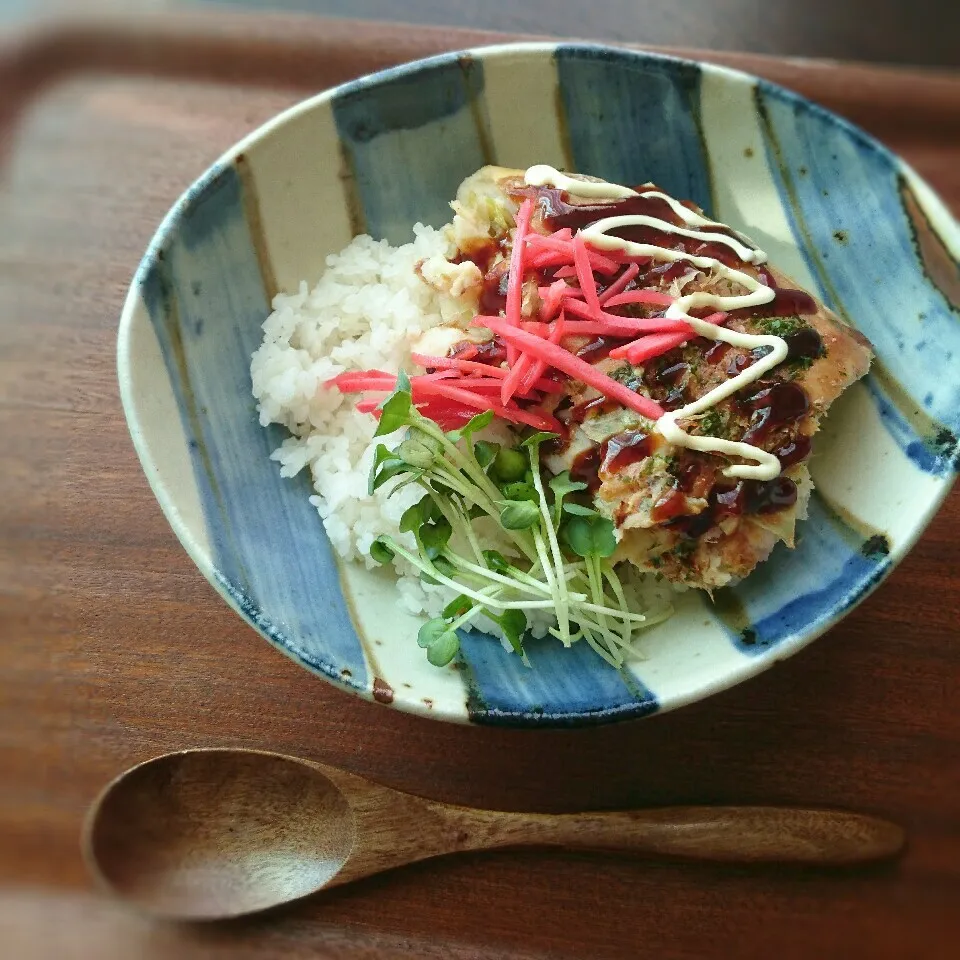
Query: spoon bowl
{"points": [[211, 834], [219, 832]]}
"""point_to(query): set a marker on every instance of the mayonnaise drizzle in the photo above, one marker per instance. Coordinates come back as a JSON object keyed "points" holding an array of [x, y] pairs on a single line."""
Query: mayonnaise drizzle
{"points": [[748, 254], [543, 175], [765, 465]]}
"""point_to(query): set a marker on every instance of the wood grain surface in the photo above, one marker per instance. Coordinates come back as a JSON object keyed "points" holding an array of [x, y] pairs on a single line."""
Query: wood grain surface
{"points": [[901, 31], [113, 648]]}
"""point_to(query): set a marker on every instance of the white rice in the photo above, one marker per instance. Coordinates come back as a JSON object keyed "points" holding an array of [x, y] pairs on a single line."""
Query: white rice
{"points": [[366, 312]]}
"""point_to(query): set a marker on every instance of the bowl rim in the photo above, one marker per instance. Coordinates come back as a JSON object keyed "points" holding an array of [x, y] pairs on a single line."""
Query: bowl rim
{"points": [[947, 228]]}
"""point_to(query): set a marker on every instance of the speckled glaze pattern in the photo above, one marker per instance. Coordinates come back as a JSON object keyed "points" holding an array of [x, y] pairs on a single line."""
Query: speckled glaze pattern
{"points": [[833, 209]]}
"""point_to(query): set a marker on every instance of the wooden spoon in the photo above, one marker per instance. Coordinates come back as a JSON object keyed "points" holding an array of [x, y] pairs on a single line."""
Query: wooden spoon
{"points": [[208, 834]]}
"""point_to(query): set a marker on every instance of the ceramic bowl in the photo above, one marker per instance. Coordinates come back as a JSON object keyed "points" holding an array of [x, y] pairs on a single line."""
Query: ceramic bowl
{"points": [[833, 208]]}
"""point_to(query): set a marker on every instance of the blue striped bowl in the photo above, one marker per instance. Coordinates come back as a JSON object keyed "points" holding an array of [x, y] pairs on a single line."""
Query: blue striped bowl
{"points": [[833, 208]]}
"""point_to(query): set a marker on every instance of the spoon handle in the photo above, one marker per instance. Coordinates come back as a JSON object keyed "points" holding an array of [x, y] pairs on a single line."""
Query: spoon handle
{"points": [[731, 834]]}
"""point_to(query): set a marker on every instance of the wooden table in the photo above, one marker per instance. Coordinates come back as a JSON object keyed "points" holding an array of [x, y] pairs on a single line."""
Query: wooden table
{"points": [[894, 31], [113, 648]]}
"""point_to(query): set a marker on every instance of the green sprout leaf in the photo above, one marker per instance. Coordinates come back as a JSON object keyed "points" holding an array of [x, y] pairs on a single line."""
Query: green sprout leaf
{"points": [[431, 631], [562, 486], [474, 424], [590, 536], [495, 561], [457, 607], [416, 432], [575, 509], [383, 452], [436, 535], [522, 490], [513, 623], [478, 422], [395, 409], [440, 564], [381, 552], [440, 642], [535, 439], [443, 649], [508, 467], [518, 514], [380, 454], [416, 453], [485, 453], [415, 516], [430, 509], [388, 470], [413, 476]]}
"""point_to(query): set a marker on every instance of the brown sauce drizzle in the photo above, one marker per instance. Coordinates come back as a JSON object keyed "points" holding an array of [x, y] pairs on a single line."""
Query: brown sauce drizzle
{"points": [[672, 504], [674, 374], [772, 407], [745, 498], [752, 497], [611, 456], [599, 348], [805, 344], [482, 254], [675, 377], [785, 303], [625, 448], [598, 405], [493, 295], [717, 352], [491, 351], [793, 450], [770, 496], [586, 468]]}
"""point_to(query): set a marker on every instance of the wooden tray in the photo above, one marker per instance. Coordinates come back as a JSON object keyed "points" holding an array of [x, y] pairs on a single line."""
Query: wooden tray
{"points": [[107, 629]]}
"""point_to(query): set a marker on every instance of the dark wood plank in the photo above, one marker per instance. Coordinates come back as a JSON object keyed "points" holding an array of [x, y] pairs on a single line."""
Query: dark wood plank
{"points": [[893, 31], [113, 648]]}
